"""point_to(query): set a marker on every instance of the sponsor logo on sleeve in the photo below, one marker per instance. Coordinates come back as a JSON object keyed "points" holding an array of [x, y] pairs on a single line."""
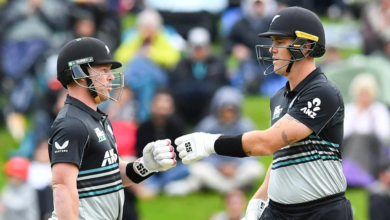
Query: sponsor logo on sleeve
{"points": [[61, 148], [312, 108]]}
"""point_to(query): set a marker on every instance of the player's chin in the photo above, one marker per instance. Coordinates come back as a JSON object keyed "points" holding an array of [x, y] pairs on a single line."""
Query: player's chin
{"points": [[104, 97]]}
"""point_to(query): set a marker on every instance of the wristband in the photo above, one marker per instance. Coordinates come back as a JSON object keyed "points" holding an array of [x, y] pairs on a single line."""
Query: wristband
{"points": [[134, 176], [229, 146]]}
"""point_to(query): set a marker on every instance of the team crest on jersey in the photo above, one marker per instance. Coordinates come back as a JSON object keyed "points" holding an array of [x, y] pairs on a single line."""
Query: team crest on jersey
{"points": [[100, 134], [278, 110]]}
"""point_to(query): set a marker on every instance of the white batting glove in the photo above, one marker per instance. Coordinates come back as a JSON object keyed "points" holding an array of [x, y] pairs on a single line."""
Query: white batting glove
{"points": [[255, 209], [195, 146], [157, 156]]}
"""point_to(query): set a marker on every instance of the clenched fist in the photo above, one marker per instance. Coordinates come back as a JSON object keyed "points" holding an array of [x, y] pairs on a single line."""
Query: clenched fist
{"points": [[157, 156]]}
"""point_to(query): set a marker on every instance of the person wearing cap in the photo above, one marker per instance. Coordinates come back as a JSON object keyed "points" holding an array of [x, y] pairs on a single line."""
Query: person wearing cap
{"points": [[19, 199], [305, 180], [197, 77], [87, 175]]}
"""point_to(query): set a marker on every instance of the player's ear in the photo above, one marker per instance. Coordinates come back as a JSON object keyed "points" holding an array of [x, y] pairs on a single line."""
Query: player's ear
{"points": [[82, 81]]}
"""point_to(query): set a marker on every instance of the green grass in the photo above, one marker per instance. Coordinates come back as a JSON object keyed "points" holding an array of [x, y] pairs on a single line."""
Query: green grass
{"points": [[201, 206]]}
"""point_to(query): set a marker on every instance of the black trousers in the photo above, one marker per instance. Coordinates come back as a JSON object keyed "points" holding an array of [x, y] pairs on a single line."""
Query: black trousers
{"points": [[335, 207]]}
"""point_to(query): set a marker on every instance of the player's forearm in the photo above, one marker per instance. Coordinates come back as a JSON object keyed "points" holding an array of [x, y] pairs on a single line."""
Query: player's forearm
{"points": [[66, 202], [262, 192], [256, 143], [125, 179]]}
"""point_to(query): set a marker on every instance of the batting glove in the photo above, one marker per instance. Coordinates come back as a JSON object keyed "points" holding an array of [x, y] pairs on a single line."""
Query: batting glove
{"points": [[255, 209], [157, 156], [195, 146]]}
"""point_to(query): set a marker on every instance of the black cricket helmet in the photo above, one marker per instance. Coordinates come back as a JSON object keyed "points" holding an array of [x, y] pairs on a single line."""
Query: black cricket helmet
{"points": [[80, 54], [300, 24]]}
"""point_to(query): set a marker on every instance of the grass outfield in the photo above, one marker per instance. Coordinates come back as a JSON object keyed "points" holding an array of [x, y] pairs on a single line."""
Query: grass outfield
{"points": [[201, 206]]}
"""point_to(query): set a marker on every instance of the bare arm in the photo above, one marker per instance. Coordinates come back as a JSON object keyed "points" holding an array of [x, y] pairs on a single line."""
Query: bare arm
{"points": [[286, 131], [262, 192], [122, 167], [66, 198]]}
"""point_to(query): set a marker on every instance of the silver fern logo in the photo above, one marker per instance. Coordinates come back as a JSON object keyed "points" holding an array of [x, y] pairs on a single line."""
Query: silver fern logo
{"points": [[312, 108]]}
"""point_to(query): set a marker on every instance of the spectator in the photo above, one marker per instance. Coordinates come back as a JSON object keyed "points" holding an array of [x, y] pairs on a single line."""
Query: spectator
{"points": [[220, 173], [241, 42], [106, 20], [19, 200], [160, 126], [39, 178], [27, 28], [150, 40], [235, 202], [366, 131], [148, 51], [197, 77]]}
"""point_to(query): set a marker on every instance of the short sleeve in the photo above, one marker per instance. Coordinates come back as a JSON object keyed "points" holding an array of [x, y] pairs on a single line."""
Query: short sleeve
{"points": [[69, 137], [316, 106]]}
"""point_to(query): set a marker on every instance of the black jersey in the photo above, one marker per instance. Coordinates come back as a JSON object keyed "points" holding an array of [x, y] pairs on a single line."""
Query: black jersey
{"points": [[309, 169], [84, 137]]}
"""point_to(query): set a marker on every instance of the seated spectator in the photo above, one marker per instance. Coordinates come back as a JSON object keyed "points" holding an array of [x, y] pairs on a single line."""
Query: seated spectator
{"points": [[241, 42], [149, 40], [366, 131], [40, 179], [185, 15], [235, 204], [160, 126], [148, 53], [220, 173], [19, 200], [197, 77]]}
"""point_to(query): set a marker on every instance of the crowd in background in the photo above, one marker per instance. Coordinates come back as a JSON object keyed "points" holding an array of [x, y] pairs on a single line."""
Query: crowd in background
{"points": [[188, 66]]}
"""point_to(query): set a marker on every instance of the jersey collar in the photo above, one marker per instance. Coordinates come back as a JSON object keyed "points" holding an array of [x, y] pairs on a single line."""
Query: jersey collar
{"points": [[303, 83], [98, 115]]}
